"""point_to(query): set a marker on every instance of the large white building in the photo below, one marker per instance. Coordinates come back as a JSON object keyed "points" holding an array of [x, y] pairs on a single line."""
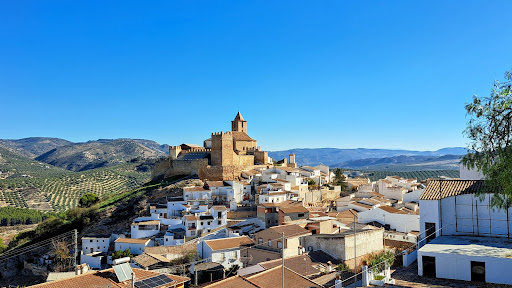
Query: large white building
{"points": [[467, 238]]}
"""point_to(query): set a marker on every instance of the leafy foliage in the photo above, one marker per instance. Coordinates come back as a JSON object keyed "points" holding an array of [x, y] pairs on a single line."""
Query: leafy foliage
{"points": [[378, 261], [10, 216], [121, 254], [88, 200], [490, 131]]}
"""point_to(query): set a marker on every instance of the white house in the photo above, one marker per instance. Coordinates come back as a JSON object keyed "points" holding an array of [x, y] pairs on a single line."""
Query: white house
{"points": [[394, 187], [136, 246], [466, 237], [95, 244], [144, 229], [94, 259], [198, 224], [397, 219], [272, 197], [225, 251], [197, 194]]}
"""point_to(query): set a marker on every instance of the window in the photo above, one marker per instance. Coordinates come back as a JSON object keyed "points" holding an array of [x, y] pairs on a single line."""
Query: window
{"points": [[202, 223], [222, 256], [268, 221], [269, 243], [279, 244], [219, 222], [209, 222], [301, 215], [260, 240], [91, 240]]}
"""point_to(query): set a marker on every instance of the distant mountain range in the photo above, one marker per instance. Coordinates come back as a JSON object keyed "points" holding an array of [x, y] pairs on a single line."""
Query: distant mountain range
{"points": [[376, 159], [87, 155], [109, 152]]}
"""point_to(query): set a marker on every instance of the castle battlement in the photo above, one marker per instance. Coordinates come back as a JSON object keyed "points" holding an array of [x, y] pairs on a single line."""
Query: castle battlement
{"points": [[192, 150]]}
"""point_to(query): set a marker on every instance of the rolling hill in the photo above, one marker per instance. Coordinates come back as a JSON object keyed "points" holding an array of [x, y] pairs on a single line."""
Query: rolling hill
{"points": [[333, 157], [96, 154], [404, 163]]}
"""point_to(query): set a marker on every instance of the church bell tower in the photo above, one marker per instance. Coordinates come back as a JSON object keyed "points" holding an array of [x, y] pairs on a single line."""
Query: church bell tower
{"points": [[239, 124]]}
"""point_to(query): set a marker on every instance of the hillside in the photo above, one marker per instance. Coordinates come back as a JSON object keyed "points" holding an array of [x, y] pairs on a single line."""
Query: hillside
{"points": [[13, 165], [404, 163], [96, 154], [61, 192], [420, 175], [334, 157], [33, 146]]}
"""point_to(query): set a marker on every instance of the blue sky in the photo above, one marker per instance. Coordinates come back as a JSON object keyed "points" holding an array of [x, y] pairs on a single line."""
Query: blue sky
{"points": [[345, 74]]}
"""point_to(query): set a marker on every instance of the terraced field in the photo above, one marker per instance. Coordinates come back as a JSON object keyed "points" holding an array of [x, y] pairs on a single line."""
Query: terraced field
{"points": [[63, 191], [420, 175]]}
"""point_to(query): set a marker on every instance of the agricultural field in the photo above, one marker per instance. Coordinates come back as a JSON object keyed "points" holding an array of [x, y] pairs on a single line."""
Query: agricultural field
{"points": [[63, 191], [420, 175]]}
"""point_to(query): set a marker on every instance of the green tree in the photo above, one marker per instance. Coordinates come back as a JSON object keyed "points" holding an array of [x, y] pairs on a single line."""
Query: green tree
{"points": [[490, 131], [88, 199], [122, 253]]}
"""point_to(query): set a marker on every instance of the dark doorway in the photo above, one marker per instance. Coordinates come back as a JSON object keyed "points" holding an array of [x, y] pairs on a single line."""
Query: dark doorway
{"points": [[477, 271], [429, 266], [430, 228]]}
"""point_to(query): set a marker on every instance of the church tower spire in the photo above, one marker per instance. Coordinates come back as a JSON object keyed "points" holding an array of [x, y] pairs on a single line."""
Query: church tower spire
{"points": [[239, 124]]}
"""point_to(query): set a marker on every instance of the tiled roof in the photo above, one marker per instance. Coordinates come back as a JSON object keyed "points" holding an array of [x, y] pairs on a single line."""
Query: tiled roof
{"points": [[232, 282], [390, 209], [194, 189], [215, 183], [219, 208], [239, 117], [104, 277], [131, 240], [228, 243], [294, 209], [147, 259], [241, 136], [176, 250], [290, 230], [191, 218], [360, 204], [300, 264], [439, 189], [273, 277]]}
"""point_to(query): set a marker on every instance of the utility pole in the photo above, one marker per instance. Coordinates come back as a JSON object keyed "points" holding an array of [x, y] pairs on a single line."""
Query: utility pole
{"points": [[355, 247], [282, 254], [75, 248]]}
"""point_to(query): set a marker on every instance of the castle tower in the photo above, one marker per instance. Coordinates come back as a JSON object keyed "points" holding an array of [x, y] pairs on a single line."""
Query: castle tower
{"points": [[222, 149], [239, 124], [291, 161], [174, 152]]}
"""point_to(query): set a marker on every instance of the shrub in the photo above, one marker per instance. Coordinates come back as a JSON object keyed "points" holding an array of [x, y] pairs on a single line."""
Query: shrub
{"points": [[88, 200]]}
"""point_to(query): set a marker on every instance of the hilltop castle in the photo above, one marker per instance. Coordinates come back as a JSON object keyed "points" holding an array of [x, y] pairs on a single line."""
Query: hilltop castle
{"points": [[222, 157]]}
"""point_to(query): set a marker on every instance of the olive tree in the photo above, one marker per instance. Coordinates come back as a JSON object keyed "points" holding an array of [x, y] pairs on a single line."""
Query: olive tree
{"points": [[490, 130]]}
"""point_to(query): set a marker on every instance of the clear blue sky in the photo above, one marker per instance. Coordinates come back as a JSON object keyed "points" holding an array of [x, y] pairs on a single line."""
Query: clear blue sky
{"points": [[346, 74]]}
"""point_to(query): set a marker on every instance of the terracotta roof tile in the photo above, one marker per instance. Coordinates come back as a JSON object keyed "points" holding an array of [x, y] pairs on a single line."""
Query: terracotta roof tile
{"points": [[228, 243], [294, 209], [103, 277], [390, 209], [232, 282], [195, 189], [439, 189], [272, 278], [147, 259], [131, 240], [290, 230], [241, 136]]}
